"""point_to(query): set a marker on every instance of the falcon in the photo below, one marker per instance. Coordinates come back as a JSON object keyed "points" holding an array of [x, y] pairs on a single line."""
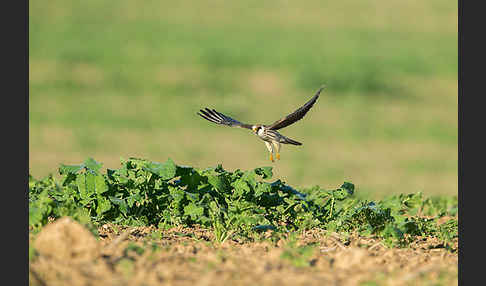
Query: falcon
{"points": [[268, 133]]}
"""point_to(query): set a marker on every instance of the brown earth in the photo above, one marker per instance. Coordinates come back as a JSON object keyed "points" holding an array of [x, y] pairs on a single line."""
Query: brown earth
{"points": [[69, 254]]}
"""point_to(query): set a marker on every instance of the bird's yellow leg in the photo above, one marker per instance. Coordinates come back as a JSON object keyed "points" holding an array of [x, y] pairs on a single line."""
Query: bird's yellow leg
{"points": [[270, 149], [277, 149]]}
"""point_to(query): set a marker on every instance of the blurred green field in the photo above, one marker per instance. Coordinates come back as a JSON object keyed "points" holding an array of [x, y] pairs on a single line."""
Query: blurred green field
{"points": [[111, 79]]}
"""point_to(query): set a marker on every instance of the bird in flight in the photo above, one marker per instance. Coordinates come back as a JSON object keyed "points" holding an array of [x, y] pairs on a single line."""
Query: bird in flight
{"points": [[268, 133]]}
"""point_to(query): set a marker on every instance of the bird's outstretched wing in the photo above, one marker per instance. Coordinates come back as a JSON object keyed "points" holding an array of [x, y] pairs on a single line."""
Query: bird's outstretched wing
{"points": [[296, 115], [220, 118]]}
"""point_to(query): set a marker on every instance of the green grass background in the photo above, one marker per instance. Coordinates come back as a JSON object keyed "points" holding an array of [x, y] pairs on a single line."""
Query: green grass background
{"points": [[111, 79]]}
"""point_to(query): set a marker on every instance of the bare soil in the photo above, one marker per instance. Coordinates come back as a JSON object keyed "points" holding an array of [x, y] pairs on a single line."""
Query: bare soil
{"points": [[69, 254]]}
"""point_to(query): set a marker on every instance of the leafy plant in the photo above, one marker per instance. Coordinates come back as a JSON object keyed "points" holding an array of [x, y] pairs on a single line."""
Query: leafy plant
{"points": [[237, 204]]}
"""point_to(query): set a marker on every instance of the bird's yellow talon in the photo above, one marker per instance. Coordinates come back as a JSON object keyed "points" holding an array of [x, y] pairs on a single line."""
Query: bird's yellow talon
{"points": [[271, 158], [278, 156]]}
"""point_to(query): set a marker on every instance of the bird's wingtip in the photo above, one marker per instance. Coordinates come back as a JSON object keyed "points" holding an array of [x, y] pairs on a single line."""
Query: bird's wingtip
{"points": [[319, 90]]}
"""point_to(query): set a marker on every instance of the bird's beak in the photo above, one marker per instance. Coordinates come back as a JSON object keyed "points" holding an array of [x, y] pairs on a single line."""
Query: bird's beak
{"points": [[254, 129]]}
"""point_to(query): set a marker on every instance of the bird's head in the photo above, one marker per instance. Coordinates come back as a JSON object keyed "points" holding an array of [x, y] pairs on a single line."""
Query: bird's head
{"points": [[255, 128]]}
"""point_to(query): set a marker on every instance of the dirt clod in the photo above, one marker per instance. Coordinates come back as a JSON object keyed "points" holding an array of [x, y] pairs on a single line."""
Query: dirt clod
{"points": [[66, 240]]}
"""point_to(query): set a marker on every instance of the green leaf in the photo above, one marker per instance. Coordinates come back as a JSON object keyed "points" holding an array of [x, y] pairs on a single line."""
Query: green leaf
{"points": [[84, 181], [240, 188], [189, 177], [122, 205], [249, 178], [100, 184], [169, 170], [218, 182], [90, 184], [349, 187], [264, 227], [193, 211], [392, 232], [166, 170], [341, 194], [35, 215], [103, 205], [264, 172], [70, 169], [91, 164], [262, 189], [133, 198]]}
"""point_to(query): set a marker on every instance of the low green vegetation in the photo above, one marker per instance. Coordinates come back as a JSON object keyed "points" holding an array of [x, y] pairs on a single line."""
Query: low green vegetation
{"points": [[234, 204]]}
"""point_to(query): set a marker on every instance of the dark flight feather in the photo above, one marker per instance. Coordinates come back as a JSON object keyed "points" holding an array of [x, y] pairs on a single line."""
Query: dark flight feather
{"points": [[220, 118], [296, 115]]}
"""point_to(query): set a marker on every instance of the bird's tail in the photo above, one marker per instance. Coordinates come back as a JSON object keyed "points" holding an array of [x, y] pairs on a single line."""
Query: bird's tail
{"points": [[290, 141]]}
